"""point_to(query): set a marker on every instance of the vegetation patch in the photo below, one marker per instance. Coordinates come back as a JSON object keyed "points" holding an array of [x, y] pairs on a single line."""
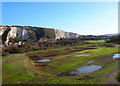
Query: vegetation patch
{"points": [[24, 69], [96, 41]]}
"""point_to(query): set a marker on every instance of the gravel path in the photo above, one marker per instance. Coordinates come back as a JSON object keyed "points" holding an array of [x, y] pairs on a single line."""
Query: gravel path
{"points": [[110, 78]]}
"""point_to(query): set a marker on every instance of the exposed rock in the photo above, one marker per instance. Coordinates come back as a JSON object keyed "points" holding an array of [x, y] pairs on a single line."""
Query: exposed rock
{"points": [[35, 33], [5, 34], [61, 34], [2, 29], [18, 32]]}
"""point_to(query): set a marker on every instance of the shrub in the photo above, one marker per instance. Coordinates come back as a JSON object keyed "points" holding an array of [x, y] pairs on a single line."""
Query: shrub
{"points": [[13, 50], [49, 33], [5, 53], [16, 39], [107, 45], [35, 49], [107, 41], [67, 49], [117, 77], [115, 39]]}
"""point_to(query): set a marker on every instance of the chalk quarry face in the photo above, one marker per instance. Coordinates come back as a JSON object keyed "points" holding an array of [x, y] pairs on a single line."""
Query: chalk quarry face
{"points": [[61, 34], [36, 33], [15, 32]]}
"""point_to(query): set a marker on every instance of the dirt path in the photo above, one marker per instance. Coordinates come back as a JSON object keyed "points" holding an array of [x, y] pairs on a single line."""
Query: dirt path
{"points": [[4, 59], [110, 77]]}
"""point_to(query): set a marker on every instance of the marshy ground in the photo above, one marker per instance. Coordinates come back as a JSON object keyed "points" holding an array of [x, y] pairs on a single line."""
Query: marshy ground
{"points": [[24, 68]]}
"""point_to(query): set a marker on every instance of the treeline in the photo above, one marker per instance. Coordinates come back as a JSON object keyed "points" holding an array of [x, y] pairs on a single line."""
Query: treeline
{"points": [[115, 39], [92, 37], [30, 45], [61, 42]]}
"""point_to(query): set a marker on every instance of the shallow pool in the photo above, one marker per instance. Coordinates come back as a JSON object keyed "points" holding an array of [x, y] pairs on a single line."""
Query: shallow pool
{"points": [[82, 55], [44, 60], [116, 56], [90, 62], [86, 69]]}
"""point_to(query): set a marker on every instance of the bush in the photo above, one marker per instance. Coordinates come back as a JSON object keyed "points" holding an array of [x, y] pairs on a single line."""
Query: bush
{"points": [[107, 41], [16, 39], [117, 77], [35, 49], [5, 53], [115, 39], [49, 33], [107, 45], [67, 49], [13, 50]]}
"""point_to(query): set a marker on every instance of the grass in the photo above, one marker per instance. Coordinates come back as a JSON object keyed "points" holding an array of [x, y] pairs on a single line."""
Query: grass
{"points": [[117, 76], [20, 69], [75, 61], [15, 70], [96, 41], [98, 77]]}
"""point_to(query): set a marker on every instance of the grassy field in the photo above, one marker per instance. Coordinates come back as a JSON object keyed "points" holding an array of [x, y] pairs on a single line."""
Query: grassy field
{"points": [[22, 68], [95, 41], [117, 76]]}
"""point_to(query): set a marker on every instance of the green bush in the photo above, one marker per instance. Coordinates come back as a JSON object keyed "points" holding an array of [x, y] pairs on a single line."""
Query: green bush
{"points": [[13, 50], [106, 45], [16, 39], [5, 53], [115, 39], [117, 77], [109, 45], [49, 33]]}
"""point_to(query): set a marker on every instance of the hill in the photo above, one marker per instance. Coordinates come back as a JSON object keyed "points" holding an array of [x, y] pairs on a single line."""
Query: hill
{"points": [[34, 33]]}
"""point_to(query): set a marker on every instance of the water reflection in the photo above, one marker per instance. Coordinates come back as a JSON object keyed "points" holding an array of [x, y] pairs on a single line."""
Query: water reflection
{"points": [[86, 69], [90, 62], [116, 56], [82, 55], [44, 60]]}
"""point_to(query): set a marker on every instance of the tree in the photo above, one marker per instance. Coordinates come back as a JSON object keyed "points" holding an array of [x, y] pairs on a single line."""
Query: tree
{"points": [[115, 39], [16, 39]]}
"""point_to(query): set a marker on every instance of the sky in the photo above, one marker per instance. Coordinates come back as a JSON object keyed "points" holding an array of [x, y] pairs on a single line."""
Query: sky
{"points": [[85, 18]]}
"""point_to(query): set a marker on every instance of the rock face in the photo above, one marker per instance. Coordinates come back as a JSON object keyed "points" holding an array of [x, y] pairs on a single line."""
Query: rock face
{"points": [[61, 34], [2, 29], [5, 34], [18, 32], [35, 33], [71, 35], [15, 32]]}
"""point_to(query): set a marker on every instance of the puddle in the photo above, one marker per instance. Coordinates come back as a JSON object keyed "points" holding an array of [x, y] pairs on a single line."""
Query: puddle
{"points": [[116, 56], [86, 69], [90, 62], [82, 55], [44, 60]]}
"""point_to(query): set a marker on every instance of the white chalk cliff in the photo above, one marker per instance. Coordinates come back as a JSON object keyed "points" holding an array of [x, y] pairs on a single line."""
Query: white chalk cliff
{"points": [[24, 34], [61, 34]]}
